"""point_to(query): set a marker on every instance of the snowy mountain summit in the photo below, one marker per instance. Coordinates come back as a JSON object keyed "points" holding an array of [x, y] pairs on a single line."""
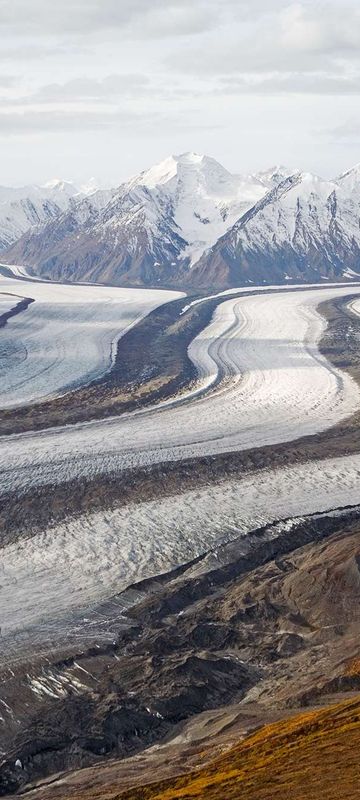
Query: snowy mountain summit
{"points": [[202, 198], [187, 221]]}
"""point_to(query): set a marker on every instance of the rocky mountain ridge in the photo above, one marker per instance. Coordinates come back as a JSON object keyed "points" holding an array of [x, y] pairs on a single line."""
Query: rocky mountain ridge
{"points": [[24, 208], [190, 223]]}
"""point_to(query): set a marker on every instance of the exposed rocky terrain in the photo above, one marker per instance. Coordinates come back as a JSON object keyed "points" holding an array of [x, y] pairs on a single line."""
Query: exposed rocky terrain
{"points": [[268, 621]]}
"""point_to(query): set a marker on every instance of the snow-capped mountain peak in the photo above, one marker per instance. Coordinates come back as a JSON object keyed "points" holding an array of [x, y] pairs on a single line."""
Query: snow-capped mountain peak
{"points": [[177, 167], [275, 175], [305, 228], [157, 175], [199, 195], [59, 185], [189, 221], [350, 180], [25, 207], [90, 186]]}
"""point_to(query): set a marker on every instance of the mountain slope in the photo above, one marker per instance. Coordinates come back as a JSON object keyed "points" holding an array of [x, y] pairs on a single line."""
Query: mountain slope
{"points": [[269, 628], [155, 226], [306, 228], [28, 207], [310, 756], [313, 755], [188, 222]]}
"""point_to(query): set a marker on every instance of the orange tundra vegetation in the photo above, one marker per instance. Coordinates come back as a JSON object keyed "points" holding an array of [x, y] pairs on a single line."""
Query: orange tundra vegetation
{"points": [[353, 668], [312, 756]]}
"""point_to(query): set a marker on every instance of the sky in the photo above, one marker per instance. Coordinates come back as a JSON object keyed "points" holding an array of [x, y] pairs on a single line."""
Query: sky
{"points": [[107, 88]]}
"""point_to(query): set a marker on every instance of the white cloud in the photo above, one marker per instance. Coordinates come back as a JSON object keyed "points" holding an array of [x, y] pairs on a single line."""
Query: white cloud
{"points": [[291, 83], [300, 38], [83, 88], [160, 17], [172, 75], [349, 131], [327, 28]]}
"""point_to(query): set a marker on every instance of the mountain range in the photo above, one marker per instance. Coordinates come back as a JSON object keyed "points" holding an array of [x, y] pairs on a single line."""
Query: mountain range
{"points": [[28, 208], [188, 222]]}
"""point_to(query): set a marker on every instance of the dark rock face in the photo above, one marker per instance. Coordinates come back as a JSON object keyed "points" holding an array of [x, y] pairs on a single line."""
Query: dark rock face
{"points": [[77, 733]]}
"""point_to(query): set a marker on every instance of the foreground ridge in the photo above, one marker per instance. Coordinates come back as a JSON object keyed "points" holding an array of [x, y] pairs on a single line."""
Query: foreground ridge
{"points": [[313, 755]]}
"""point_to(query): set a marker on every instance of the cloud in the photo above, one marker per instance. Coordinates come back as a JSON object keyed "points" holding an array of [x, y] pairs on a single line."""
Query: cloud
{"points": [[8, 81], [33, 51], [323, 29], [158, 18], [81, 17], [349, 132], [88, 88], [292, 83], [178, 20], [78, 121], [56, 121], [298, 38], [175, 70]]}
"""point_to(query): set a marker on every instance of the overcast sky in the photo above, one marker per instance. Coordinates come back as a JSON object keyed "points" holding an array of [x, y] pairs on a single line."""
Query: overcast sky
{"points": [[109, 87]]}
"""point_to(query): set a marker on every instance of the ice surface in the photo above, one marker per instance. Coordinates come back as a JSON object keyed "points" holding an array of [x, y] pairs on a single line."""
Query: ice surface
{"points": [[67, 337], [354, 306], [270, 385], [266, 288], [91, 558]]}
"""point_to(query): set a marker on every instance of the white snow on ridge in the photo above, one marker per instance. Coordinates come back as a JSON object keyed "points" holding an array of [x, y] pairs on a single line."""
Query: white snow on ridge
{"points": [[27, 207], [90, 559], [205, 199], [350, 180], [180, 208], [274, 387], [305, 213], [350, 273], [67, 337]]}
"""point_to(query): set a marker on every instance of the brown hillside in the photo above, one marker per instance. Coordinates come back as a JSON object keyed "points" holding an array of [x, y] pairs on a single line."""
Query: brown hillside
{"points": [[313, 756]]}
